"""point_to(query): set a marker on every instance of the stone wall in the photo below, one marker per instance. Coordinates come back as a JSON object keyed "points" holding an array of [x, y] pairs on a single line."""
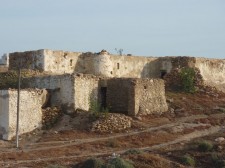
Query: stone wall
{"points": [[60, 62], [136, 96], [61, 88], [212, 71], [27, 60], [149, 97], [118, 94], [99, 64], [31, 102], [70, 91], [86, 90]]}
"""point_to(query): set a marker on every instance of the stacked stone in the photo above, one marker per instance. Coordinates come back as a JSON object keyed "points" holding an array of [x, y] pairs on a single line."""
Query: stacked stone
{"points": [[173, 80], [50, 116], [113, 122]]}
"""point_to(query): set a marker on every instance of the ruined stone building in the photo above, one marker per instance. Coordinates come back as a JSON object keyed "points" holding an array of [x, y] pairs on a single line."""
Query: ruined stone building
{"points": [[126, 84]]}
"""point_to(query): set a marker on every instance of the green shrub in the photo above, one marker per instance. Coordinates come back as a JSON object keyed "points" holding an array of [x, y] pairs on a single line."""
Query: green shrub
{"points": [[188, 160], [217, 162], [133, 152], [96, 109], [93, 163], [205, 146], [187, 77], [119, 163]]}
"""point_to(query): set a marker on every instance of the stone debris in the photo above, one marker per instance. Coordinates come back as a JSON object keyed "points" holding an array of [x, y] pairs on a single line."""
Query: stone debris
{"points": [[50, 115], [111, 122], [219, 139]]}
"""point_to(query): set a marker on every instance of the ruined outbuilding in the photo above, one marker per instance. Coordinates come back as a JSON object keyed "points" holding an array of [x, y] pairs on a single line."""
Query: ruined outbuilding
{"points": [[132, 85]]}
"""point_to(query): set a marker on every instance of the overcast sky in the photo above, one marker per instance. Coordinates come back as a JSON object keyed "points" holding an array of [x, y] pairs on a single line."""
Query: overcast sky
{"points": [[139, 27]]}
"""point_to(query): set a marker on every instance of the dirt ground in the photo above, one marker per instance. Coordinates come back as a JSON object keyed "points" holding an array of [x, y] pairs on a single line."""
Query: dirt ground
{"points": [[163, 139]]}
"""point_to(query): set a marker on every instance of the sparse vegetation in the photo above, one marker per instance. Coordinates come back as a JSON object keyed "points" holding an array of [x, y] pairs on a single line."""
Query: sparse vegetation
{"points": [[113, 143], [93, 163], [96, 109], [188, 160], [205, 146], [133, 152], [217, 161], [119, 163], [187, 77]]}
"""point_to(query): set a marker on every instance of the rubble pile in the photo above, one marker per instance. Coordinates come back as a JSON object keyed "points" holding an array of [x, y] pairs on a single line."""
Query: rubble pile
{"points": [[113, 122], [50, 116]]}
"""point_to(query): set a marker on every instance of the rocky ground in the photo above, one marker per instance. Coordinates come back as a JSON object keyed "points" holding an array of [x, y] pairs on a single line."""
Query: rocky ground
{"points": [[190, 134]]}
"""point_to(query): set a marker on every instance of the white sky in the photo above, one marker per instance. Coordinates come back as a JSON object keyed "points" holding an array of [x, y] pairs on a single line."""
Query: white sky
{"points": [[139, 27]]}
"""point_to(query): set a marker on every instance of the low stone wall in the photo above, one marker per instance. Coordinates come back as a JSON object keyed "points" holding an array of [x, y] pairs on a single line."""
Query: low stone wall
{"points": [[31, 101]]}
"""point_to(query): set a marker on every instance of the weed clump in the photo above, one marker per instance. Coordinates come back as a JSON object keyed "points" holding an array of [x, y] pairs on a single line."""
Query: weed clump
{"points": [[93, 163], [133, 152], [119, 163], [188, 160], [96, 110], [188, 78], [217, 162], [205, 146]]}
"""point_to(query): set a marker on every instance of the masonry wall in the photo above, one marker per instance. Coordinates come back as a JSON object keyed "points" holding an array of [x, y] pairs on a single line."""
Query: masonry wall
{"points": [[118, 95], [60, 62], [30, 111], [4, 113], [61, 88], [212, 71], [135, 66], [149, 97], [27, 60], [86, 91]]}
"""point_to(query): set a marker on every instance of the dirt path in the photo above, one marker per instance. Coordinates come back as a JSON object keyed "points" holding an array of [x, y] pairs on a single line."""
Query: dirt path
{"points": [[61, 144], [45, 146], [187, 137]]}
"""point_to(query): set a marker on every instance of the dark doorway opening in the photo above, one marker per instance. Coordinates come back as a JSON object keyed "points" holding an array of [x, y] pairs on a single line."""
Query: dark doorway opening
{"points": [[103, 92], [163, 73]]}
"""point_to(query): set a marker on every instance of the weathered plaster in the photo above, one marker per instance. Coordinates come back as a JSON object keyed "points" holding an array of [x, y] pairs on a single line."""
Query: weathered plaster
{"points": [[30, 111], [212, 71]]}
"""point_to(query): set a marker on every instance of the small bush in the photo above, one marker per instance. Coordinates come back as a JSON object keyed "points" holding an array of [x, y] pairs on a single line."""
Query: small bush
{"points": [[119, 163], [188, 160], [93, 163], [133, 152], [205, 146], [96, 110], [217, 162], [113, 143], [187, 77]]}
